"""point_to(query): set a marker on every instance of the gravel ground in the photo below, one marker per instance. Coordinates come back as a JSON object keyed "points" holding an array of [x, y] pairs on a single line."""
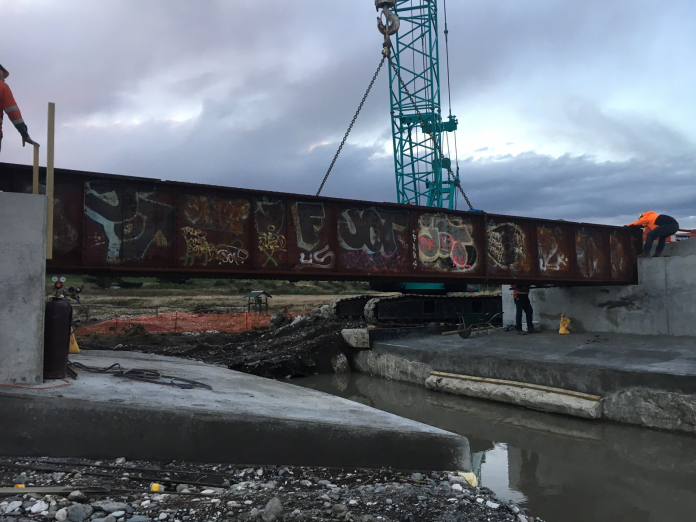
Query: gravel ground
{"points": [[119, 491], [300, 347]]}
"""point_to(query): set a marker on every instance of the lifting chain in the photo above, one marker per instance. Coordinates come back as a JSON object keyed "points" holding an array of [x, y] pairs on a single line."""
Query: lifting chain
{"points": [[426, 128], [350, 127]]}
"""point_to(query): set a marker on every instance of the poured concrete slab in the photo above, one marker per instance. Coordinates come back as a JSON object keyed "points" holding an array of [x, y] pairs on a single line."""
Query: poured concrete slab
{"points": [[243, 420], [598, 364]]}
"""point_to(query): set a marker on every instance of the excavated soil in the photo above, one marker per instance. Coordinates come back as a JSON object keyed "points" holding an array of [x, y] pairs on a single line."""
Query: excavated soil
{"points": [[305, 346]]}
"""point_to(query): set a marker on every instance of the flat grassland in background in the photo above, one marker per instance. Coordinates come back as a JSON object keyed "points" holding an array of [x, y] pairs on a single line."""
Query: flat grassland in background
{"points": [[132, 297], [202, 295]]}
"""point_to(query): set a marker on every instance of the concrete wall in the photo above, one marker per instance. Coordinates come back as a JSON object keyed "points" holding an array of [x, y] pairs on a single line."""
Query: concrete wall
{"points": [[662, 302], [22, 279]]}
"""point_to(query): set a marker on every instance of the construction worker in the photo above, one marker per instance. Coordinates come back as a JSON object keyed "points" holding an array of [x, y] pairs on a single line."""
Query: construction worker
{"points": [[8, 105], [520, 294], [659, 226]]}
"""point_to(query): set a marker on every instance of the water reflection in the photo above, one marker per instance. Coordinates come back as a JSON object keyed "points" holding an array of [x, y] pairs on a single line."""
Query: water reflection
{"points": [[563, 469]]}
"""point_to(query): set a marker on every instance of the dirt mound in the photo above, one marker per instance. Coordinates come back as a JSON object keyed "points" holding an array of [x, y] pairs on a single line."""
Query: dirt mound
{"points": [[304, 347]]}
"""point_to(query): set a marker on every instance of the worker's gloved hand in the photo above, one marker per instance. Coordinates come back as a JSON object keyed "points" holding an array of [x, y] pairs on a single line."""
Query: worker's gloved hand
{"points": [[26, 139], [24, 131]]}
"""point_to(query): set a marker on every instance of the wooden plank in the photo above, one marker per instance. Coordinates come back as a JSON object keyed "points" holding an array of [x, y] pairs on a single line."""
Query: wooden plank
{"points": [[49, 178], [35, 178], [48, 490]]}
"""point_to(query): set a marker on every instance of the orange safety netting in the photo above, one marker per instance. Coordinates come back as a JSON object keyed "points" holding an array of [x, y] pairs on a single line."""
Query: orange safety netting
{"points": [[174, 322]]}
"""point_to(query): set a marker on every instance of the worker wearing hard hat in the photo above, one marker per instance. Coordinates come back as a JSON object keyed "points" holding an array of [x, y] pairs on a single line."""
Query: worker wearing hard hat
{"points": [[659, 226], [8, 105]]}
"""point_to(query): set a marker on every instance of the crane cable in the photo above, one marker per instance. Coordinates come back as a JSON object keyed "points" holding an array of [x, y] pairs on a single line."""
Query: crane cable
{"points": [[386, 55], [350, 127], [449, 89]]}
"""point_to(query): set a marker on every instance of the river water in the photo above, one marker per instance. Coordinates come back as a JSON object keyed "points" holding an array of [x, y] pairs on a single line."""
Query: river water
{"points": [[563, 469]]}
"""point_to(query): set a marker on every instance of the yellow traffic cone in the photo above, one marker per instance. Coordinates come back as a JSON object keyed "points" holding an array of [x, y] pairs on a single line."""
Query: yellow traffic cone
{"points": [[74, 348], [565, 321]]}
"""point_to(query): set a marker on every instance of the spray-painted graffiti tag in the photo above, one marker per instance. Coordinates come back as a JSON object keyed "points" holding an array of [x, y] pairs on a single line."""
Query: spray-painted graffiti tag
{"points": [[590, 258], [269, 216], [368, 238], [131, 221], [446, 242], [221, 215], [551, 257], [215, 231], [198, 247], [312, 238], [507, 247]]}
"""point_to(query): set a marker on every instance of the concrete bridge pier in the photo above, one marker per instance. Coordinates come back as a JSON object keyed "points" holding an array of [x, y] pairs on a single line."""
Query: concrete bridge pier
{"points": [[660, 304], [22, 280]]}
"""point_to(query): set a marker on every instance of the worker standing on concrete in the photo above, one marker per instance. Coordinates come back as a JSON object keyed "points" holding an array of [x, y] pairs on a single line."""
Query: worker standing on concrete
{"points": [[659, 226], [9, 106], [520, 294]]}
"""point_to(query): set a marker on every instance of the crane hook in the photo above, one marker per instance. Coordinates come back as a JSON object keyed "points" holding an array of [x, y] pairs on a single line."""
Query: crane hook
{"points": [[392, 20]]}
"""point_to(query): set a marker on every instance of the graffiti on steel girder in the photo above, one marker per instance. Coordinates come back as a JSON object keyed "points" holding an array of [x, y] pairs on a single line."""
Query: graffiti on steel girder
{"points": [[370, 230], [215, 230], [218, 214], [64, 234], [269, 217], [129, 227], [619, 259], [312, 236], [369, 238], [590, 258], [506, 247], [380, 261], [446, 242], [198, 248], [551, 256]]}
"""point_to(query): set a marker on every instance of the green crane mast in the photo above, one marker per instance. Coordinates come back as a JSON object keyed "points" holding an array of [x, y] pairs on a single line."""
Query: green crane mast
{"points": [[422, 176]]}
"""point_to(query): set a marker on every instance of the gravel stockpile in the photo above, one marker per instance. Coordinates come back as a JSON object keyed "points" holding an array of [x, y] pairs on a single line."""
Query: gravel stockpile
{"points": [[119, 491]]}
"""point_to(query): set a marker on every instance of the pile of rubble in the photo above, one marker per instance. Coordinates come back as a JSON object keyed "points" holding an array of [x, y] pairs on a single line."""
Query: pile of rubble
{"points": [[89, 491]]}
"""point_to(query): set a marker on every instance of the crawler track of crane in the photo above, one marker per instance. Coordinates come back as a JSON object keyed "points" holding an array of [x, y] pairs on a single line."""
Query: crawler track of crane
{"points": [[413, 309]]}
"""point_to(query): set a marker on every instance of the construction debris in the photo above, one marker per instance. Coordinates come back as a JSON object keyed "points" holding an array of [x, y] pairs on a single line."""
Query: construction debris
{"points": [[290, 347], [263, 493]]}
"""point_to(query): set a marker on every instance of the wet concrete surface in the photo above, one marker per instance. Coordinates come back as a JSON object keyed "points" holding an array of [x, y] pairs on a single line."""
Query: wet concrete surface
{"points": [[591, 363], [561, 468], [242, 419]]}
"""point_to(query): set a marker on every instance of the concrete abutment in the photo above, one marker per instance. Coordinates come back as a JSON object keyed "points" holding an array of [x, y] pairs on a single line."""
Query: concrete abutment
{"points": [[23, 276]]}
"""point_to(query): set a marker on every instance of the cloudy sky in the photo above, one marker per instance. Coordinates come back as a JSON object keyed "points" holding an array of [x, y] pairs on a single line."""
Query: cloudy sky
{"points": [[568, 109]]}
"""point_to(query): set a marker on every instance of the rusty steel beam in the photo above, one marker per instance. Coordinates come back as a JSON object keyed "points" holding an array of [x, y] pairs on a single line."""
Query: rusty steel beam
{"points": [[130, 226]]}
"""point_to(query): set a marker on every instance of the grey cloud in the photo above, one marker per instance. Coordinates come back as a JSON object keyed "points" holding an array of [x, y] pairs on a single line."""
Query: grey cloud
{"points": [[276, 78]]}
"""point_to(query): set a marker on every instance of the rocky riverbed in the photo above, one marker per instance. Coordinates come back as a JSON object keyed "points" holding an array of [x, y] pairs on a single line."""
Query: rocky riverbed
{"points": [[78, 490], [302, 346]]}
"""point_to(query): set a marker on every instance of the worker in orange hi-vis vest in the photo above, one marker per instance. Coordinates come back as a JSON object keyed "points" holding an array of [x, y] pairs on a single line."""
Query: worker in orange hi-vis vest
{"points": [[8, 105], [659, 226]]}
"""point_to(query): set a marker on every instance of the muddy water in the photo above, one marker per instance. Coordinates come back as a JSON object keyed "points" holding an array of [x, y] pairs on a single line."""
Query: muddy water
{"points": [[563, 469]]}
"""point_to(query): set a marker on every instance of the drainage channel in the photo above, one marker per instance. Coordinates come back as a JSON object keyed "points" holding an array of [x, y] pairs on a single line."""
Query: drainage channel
{"points": [[563, 469]]}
